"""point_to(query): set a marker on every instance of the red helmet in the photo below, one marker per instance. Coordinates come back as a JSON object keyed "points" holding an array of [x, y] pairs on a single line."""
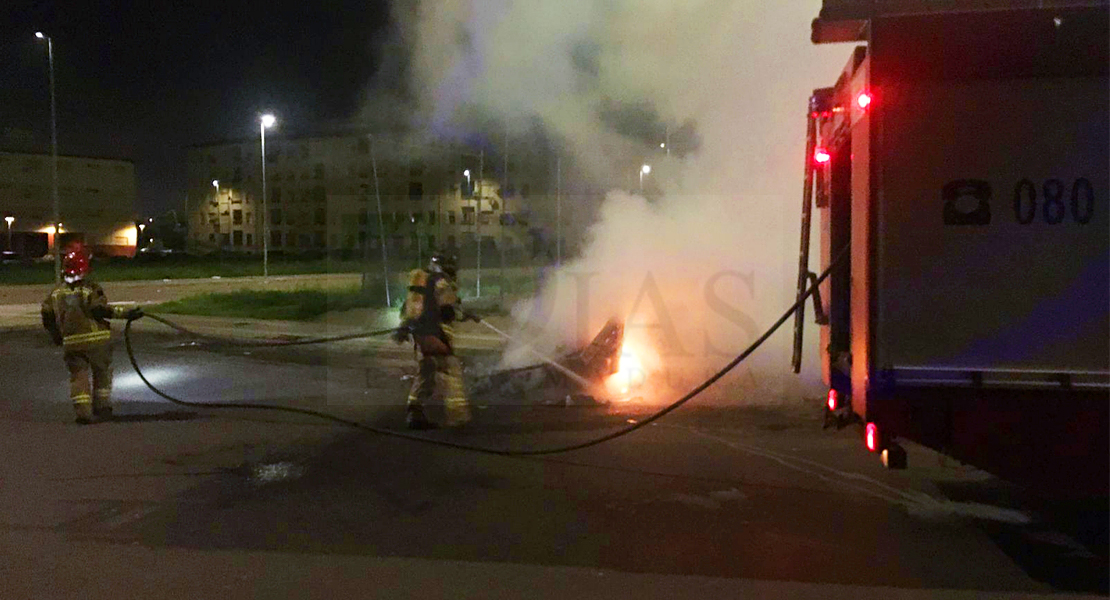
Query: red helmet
{"points": [[75, 262]]}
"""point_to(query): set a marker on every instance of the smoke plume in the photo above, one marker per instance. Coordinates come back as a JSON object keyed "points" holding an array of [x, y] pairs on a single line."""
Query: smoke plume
{"points": [[707, 261]]}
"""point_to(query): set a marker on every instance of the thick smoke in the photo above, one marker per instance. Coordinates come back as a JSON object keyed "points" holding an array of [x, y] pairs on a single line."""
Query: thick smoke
{"points": [[707, 263]]}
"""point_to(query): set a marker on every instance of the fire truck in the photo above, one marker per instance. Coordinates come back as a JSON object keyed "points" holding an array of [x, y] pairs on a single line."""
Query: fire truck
{"points": [[959, 168]]}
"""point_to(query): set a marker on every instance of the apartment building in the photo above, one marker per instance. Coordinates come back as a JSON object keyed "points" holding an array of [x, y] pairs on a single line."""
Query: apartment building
{"points": [[340, 192], [97, 197]]}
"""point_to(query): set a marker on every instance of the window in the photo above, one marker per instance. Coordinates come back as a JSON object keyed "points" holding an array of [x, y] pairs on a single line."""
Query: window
{"points": [[468, 215], [275, 238], [319, 194], [237, 237], [305, 240], [431, 217], [237, 217], [226, 239], [275, 195], [250, 239], [486, 217], [416, 190], [212, 238], [319, 217], [275, 216], [451, 217]]}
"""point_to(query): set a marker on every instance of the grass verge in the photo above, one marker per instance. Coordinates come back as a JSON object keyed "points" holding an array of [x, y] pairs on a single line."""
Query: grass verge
{"points": [[304, 304], [295, 305]]}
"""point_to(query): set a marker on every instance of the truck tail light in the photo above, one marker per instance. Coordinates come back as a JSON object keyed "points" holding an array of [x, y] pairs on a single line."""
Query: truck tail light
{"points": [[821, 156], [863, 100], [871, 437], [834, 400]]}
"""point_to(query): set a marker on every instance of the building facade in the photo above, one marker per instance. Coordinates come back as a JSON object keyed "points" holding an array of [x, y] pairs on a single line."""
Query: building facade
{"points": [[97, 199], [324, 192]]}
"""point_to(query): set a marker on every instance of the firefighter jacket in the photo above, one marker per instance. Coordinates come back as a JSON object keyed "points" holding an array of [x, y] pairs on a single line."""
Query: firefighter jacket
{"points": [[430, 308], [76, 315]]}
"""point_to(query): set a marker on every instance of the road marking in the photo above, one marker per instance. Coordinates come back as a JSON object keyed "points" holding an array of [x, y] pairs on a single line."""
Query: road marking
{"points": [[916, 503]]}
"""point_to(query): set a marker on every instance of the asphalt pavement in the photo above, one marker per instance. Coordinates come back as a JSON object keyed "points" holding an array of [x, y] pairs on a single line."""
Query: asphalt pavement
{"points": [[734, 499]]}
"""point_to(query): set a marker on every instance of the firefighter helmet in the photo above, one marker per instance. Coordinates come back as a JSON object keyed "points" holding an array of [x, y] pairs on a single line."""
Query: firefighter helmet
{"points": [[447, 264], [75, 262]]}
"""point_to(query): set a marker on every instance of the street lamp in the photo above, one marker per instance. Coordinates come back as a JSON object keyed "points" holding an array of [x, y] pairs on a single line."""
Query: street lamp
{"points": [[267, 121], [142, 226], [10, 219], [53, 155], [644, 170], [219, 219]]}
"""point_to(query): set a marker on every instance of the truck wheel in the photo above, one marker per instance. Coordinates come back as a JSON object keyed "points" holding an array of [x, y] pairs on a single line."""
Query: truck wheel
{"points": [[894, 456]]}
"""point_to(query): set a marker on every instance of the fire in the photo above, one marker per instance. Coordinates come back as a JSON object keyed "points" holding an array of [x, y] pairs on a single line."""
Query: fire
{"points": [[630, 372]]}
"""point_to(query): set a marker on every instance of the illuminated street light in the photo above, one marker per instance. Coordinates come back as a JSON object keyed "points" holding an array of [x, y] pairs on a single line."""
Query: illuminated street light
{"points": [[53, 153], [267, 121], [139, 242], [10, 219], [644, 170]]}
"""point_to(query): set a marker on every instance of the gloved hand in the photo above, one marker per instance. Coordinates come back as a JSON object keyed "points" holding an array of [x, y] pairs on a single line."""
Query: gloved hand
{"points": [[471, 317], [402, 334], [134, 314]]}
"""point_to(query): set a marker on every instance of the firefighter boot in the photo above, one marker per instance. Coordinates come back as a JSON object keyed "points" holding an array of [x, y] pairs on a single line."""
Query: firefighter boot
{"points": [[458, 411], [102, 405], [416, 419], [82, 409]]}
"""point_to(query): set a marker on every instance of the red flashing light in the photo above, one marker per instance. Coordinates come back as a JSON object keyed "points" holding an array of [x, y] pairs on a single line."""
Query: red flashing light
{"points": [[834, 401], [872, 437], [863, 100], [821, 156]]}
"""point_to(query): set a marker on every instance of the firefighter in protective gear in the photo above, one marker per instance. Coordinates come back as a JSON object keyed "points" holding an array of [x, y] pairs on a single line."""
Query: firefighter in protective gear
{"points": [[76, 314], [430, 309]]}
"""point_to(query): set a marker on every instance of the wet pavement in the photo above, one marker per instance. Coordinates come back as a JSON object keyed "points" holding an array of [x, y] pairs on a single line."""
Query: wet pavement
{"points": [[712, 501]]}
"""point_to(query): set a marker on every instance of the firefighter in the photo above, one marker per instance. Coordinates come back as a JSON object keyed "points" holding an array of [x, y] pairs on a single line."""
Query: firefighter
{"points": [[76, 315], [430, 309]]}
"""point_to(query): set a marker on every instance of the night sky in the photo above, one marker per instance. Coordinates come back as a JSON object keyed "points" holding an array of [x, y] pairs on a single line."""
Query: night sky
{"points": [[143, 80]]}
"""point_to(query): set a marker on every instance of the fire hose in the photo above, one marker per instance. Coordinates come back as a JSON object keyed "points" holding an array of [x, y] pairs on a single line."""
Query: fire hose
{"points": [[457, 445]]}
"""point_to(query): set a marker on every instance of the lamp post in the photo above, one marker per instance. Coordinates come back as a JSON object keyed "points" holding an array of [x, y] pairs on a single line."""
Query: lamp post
{"points": [[53, 156], [10, 219], [219, 218], [644, 170], [267, 121], [142, 226]]}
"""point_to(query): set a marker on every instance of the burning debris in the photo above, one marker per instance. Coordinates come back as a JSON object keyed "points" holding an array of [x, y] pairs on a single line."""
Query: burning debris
{"points": [[580, 378]]}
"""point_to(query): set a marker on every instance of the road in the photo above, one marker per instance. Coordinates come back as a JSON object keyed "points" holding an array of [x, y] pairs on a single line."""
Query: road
{"points": [[750, 501]]}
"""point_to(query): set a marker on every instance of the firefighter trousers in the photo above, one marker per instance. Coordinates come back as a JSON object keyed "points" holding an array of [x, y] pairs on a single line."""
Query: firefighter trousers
{"points": [[448, 370], [95, 363]]}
